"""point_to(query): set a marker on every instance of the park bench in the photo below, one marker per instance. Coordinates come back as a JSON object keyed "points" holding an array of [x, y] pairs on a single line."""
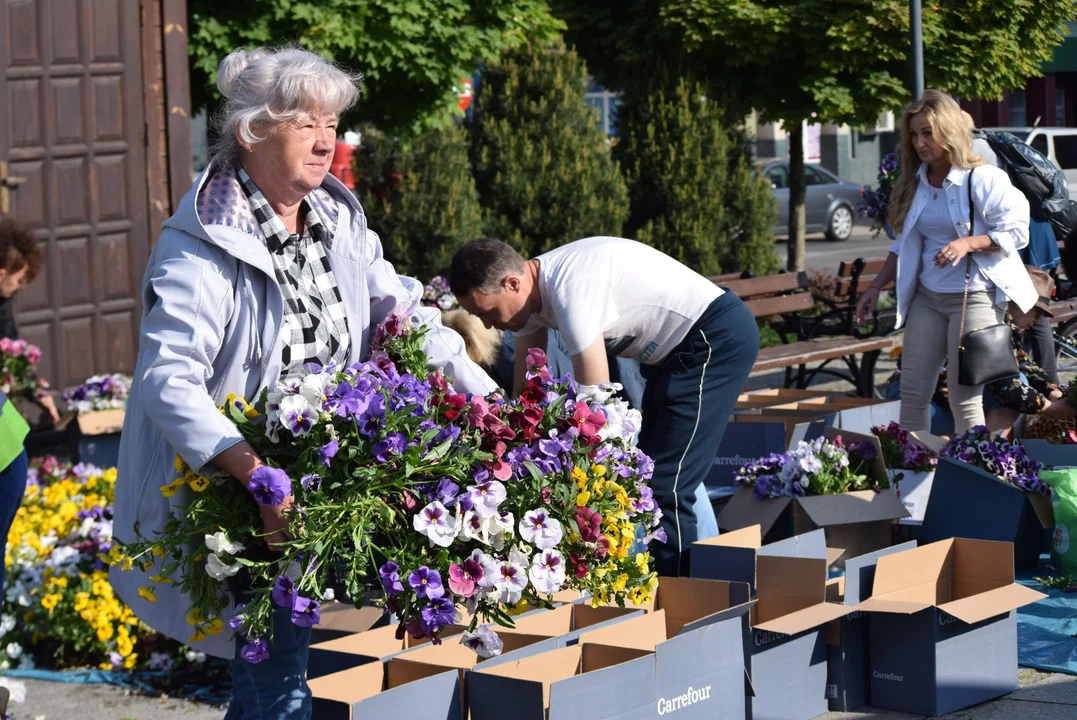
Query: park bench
{"points": [[852, 279], [788, 297]]}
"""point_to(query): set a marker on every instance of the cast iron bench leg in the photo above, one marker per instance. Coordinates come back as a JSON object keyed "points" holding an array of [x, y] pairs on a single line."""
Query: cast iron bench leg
{"points": [[866, 385]]}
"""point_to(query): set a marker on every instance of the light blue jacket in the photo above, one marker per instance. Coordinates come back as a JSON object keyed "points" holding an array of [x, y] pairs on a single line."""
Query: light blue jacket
{"points": [[1001, 212], [211, 322]]}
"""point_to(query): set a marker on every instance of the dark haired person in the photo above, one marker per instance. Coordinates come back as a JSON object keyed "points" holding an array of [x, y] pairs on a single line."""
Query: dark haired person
{"points": [[696, 343]]}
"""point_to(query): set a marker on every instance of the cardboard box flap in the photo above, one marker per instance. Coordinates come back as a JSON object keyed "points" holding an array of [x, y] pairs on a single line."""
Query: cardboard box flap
{"points": [[378, 643], [566, 597], [586, 615], [991, 603], [833, 555], [743, 511], [810, 544], [599, 657], [897, 607], [348, 618], [402, 673], [853, 507], [645, 632], [101, 422], [750, 537], [447, 655], [920, 566], [835, 589], [1041, 504], [860, 573], [786, 585], [805, 619], [686, 600], [549, 623], [546, 668], [350, 686], [874, 468], [926, 439]]}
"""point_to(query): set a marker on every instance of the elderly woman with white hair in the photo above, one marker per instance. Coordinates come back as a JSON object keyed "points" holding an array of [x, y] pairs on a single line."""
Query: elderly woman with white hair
{"points": [[267, 265]]}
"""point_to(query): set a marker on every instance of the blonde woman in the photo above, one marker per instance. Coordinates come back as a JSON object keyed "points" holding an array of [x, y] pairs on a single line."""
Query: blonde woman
{"points": [[929, 211]]}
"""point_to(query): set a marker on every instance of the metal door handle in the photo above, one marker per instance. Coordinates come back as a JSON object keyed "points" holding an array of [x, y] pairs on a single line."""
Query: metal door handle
{"points": [[7, 183]]}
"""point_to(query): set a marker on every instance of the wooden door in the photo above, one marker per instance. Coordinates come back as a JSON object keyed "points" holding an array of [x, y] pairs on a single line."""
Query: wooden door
{"points": [[72, 125]]}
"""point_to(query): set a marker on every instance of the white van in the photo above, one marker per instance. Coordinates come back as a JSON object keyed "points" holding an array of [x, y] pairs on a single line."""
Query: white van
{"points": [[1059, 144]]}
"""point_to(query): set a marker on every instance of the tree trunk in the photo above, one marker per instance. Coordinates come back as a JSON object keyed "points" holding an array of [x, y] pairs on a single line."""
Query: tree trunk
{"points": [[797, 213]]}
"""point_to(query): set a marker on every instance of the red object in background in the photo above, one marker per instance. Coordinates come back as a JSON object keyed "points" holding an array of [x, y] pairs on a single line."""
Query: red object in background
{"points": [[342, 164], [464, 93]]}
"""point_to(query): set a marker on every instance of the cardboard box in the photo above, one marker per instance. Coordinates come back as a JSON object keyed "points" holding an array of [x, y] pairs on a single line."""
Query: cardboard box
{"points": [[565, 623], [380, 690], [341, 620], [749, 437], [1051, 455], [333, 656], [858, 522], [786, 642], [969, 502], [847, 673], [571, 682], [428, 682], [914, 488], [732, 556], [943, 630], [696, 630], [99, 437]]}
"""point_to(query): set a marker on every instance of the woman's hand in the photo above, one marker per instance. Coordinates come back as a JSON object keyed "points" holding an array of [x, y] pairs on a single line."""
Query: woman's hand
{"points": [[865, 307], [952, 253], [275, 523], [49, 405]]}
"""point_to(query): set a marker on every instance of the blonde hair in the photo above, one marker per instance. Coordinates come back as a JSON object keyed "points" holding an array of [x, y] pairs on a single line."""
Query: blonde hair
{"points": [[482, 343], [951, 128]]}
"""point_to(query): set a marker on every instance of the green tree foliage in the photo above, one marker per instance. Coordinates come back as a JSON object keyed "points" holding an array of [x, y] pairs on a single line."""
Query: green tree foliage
{"points": [[412, 53], [419, 196], [542, 166], [694, 194], [836, 61]]}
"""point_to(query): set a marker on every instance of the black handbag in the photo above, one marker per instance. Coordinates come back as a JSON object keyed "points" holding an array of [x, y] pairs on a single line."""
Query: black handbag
{"points": [[985, 355]]}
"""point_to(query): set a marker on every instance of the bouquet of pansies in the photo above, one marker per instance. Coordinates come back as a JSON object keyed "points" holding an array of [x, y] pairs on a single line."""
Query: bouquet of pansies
{"points": [[100, 392], [998, 456], [18, 368], [818, 467], [58, 605], [428, 499], [438, 294], [876, 203], [900, 453]]}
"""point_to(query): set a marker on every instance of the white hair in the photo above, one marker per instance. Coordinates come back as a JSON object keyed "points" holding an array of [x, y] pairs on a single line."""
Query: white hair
{"points": [[265, 88]]}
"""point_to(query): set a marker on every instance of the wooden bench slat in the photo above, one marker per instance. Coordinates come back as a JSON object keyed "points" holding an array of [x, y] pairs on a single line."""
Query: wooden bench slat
{"points": [[807, 352], [767, 285], [766, 307]]}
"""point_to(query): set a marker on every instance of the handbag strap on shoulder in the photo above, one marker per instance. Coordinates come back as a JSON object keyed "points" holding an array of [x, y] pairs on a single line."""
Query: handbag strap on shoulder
{"points": [[968, 265]]}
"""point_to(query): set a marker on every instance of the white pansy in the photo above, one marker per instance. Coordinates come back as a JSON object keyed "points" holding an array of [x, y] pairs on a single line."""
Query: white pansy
{"points": [[314, 389], [13, 650], [597, 393], [218, 569], [218, 542]]}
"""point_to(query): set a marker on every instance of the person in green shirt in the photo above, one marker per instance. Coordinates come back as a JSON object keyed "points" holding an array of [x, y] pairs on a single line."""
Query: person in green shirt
{"points": [[20, 259]]}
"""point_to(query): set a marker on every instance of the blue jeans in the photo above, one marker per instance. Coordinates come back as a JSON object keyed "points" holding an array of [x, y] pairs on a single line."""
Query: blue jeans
{"points": [[12, 488], [276, 688]]}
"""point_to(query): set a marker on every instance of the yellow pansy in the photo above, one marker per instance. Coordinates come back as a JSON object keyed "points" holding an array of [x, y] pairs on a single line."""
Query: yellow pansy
{"points": [[579, 476], [131, 661], [173, 487], [127, 564], [622, 552], [194, 618], [619, 583], [214, 627], [583, 497], [104, 632], [147, 594], [199, 483], [197, 636], [82, 600], [49, 601], [639, 596], [179, 464], [161, 579], [598, 470], [643, 561], [157, 550], [250, 412]]}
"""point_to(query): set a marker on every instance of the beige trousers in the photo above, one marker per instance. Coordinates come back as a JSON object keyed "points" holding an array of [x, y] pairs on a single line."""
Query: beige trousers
{"points": [[932, 335]]}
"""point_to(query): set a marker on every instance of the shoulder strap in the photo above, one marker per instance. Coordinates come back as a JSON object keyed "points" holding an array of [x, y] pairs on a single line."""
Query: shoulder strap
{"points": [[968, 264]]}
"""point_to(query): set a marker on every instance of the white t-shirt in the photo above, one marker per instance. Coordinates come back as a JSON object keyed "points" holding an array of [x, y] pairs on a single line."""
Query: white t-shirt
{"points": [[641, 301], [938, 231]]}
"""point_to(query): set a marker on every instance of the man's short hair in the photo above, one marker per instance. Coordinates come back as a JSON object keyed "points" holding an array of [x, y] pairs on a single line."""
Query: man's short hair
{"points": [[19, 249], [481, 265]]}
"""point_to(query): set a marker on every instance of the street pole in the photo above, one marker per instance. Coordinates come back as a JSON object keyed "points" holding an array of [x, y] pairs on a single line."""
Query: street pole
{"points": [[916, 38]]}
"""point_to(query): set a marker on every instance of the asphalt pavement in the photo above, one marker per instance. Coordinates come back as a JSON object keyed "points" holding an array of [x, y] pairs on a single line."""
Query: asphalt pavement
{"points": [[825, 255]]}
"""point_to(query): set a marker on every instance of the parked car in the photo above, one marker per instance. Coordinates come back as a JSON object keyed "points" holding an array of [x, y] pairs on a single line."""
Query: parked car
{"points": [[1059, 144], [830, 202]]}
